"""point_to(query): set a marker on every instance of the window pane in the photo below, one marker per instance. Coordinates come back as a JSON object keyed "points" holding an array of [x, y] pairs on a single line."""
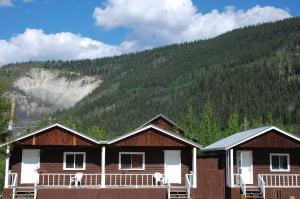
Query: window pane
{"points": [[283, 162], [79, 161], [125, 161], [275, 162], [69, 161], [137, 161]]}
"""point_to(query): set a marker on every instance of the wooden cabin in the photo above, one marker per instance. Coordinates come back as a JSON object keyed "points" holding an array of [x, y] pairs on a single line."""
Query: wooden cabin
{"points": [[156, 161], [58, 162], [262, 163]]}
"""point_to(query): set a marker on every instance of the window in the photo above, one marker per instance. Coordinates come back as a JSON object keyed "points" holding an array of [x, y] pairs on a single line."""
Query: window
{"points": [[74, 160], [131, 161], [280, 162]]}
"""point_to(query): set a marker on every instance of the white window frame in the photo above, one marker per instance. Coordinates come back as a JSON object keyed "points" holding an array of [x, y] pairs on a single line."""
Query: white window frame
{"points": [[132, 153], [74, 153], [288, 162]]}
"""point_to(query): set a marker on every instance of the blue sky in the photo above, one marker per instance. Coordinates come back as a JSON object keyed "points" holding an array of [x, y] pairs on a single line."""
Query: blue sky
{"points": [[94, 28]]}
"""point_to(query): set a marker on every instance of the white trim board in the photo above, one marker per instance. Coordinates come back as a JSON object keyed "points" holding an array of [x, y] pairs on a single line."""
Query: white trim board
{"points": [[158, 129]]}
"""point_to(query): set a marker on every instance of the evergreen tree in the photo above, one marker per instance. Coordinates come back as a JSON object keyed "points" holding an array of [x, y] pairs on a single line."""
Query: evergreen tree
{"points": [[233, 124], [269, 119], [190, 123], [4, 112], [98, 133], [209, 130]]}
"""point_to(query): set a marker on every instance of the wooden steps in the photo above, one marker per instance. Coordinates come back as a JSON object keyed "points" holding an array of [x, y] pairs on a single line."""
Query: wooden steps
{"points": [[25, 192], [177, 192], [253, 192]]}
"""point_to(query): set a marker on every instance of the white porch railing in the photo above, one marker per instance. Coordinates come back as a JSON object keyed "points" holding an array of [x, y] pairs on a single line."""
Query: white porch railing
{"points": [[62, 179], [35, 190], [131, 180], [262, 186], [111, 180], [12, 179], [281, 180], [238, 181], [168, 189], [13, 182], [188, 183]]}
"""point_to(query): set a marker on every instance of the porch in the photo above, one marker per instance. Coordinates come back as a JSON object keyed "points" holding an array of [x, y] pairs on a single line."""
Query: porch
{"points": [[94, 181]]}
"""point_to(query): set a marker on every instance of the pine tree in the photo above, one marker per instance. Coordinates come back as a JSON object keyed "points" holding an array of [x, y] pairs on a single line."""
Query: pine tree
{"points": [[233, 125], [190, 123], [209, 130], [98, 133], [4, 111]]}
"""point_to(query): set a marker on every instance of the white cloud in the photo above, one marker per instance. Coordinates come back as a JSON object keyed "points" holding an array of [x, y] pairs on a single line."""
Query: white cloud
{"points": [[150, 23], [34, 44], [6, 3], [156, 22]]}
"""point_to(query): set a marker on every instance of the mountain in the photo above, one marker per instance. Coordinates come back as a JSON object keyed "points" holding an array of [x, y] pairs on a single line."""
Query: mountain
{"points": [[254, 71]]}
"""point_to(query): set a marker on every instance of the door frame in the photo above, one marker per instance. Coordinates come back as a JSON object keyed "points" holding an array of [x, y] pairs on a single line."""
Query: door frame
{"points": [[238, 166], [165, 164], [38, 165]]}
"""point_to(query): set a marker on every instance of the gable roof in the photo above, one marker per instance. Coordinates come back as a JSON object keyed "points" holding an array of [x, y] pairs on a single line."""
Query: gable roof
{"points": [[139, 130], [156, 117], [241, 137], [52, 126]]}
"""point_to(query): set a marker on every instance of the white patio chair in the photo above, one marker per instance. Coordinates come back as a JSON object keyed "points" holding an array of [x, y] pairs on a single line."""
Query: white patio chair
{"points": [[76, 179], [159, 178]]}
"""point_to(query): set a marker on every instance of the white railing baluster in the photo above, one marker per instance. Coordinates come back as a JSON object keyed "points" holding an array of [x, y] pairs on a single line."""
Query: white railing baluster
{"points": [[261, 185], [281, 180]]}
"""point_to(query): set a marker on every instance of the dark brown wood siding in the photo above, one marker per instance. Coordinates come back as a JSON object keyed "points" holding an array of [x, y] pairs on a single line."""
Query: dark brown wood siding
{"points": [[150, 138], [154, 160], [51, 160], [163, 124], [111, 193], [56, 137], [210, 179], [282, 193], [272, 139], [232, 193]]}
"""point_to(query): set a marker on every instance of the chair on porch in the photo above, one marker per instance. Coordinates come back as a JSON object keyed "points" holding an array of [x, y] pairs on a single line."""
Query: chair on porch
{"points": [[76, 179], [159, 178]]}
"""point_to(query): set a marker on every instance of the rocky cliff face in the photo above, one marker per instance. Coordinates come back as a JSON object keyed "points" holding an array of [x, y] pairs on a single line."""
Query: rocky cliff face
{"points": [[43, 91]]}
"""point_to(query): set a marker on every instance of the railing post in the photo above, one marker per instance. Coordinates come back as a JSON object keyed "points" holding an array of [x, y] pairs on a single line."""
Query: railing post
{"points": [[194, 178], [6, 167], [103, 167], [231, 168]]}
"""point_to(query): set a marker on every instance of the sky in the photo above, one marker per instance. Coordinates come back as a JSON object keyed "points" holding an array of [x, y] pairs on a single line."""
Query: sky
{"points": [[77, 29]]}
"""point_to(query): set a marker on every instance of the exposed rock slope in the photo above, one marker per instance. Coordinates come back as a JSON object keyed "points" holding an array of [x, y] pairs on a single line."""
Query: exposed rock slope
{"points": [[43, 91]]}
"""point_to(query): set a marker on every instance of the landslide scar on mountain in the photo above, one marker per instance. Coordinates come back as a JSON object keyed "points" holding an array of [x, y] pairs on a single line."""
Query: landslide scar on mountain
{"points": [[43, 91]]}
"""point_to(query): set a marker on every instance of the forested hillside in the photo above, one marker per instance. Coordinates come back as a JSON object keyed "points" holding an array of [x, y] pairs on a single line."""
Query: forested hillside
{"points": [[249, 76]]}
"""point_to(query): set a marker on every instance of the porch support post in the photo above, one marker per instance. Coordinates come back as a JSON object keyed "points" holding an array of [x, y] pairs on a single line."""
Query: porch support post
{"points": [[103, 167], [194, 167], [6, 167], [231, 168]]}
